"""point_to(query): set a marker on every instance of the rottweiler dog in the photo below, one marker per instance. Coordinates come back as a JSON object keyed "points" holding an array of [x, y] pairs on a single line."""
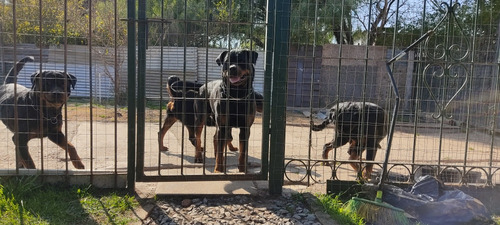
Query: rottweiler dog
{"points": [[362, 125], [230, 102], [36, 112], [181, 108]]}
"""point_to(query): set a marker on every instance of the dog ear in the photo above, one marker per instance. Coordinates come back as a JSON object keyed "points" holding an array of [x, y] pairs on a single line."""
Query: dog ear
{"points": [[221, 57], [35, 79], [252, 55], [71, 80]]}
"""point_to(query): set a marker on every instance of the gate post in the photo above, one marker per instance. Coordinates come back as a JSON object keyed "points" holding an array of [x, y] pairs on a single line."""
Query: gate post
{"points": [[131, 94], [281, 30]]}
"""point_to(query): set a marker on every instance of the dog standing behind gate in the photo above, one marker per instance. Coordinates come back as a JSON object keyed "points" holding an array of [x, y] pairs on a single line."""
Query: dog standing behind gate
{"points": [[38, 110], [181, 108], [362, 124], [231, 103]]}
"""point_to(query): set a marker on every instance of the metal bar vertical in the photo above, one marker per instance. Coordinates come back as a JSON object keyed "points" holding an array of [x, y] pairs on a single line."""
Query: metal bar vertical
{"points": [[418, 86], [311, 93], [131, 82], [268, 73], [162, 35], [278, 112], [496, 98], [184, 58], [207, 31], [141, 84], [2, 59], [469, 93], [65, 37], [40, 39], [16, 114], [339, 67], [116, 89], [91, 91]]}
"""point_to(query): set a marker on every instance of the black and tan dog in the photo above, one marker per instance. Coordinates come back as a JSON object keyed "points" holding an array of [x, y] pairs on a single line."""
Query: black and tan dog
{"points": [[230, 103], [362, 125], [181, 108], [38, 110]]}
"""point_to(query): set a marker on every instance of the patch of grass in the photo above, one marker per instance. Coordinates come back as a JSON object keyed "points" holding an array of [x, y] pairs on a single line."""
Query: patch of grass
{"points": [[24, 201], [334, 207], [496, 218]]}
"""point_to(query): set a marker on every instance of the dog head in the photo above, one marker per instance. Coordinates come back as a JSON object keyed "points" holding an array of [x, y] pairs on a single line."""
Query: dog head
{"points": [[237, 66], [54, 87]]}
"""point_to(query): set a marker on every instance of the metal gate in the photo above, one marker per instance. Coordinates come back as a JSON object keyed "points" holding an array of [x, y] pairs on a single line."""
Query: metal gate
{"points": [[184, 39], [448, 82]]}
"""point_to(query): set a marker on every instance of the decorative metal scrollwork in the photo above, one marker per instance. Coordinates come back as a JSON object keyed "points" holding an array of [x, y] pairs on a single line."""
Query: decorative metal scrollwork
{"points": [[446, 57]]}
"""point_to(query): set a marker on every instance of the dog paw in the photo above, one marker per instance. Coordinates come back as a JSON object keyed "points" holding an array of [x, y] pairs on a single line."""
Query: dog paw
{"points": [[27, 165], [366, 176], [242, 168], [219, 169], [198, 160], [163, 148], [78, 164]]}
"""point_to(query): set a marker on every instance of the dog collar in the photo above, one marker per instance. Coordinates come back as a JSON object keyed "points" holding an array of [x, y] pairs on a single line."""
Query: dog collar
{"points": [[54, 119], [228, 95]]}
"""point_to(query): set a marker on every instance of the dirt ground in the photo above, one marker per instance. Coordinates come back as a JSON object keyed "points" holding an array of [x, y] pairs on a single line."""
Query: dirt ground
{"points": [[102, 145]]}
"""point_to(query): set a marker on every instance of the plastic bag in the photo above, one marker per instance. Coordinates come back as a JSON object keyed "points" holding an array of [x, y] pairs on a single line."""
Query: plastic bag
{"points": [[430, 202]]}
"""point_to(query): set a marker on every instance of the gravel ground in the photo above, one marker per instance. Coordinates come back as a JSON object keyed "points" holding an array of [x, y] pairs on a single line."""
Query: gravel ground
{"points": [[242, 209]]}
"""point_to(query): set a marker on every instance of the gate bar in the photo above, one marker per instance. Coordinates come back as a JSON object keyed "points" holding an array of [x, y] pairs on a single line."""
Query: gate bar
{"points": [[278, 112], [131, 95], [141, 87]]}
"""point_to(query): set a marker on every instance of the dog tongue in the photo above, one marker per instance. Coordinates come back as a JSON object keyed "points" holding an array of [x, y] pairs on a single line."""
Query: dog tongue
{"points": [[234, 79]]}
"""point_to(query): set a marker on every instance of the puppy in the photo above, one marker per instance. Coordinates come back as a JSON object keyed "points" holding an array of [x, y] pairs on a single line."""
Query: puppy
{"points": [[36, 112], [229, 103], [348, 118]]}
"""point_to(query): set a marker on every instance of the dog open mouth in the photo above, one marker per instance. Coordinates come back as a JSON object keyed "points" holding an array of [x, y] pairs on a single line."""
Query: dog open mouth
{"points": [[238, 79]]}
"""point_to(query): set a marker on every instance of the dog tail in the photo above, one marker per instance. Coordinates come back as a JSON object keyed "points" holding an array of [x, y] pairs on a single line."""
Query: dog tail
{"points": [[11, 76], [175, 86], [321, 126]]}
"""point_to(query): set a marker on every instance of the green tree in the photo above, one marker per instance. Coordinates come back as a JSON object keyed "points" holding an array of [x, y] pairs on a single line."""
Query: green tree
{"points": [[42, 24], [201, 23], [322, 21]]}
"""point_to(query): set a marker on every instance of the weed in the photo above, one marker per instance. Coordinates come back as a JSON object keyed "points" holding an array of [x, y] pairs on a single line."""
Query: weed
{"points": [[19, 187], [334, 207]]}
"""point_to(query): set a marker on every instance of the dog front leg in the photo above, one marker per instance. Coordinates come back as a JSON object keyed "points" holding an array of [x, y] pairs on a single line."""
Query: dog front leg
{"points": [[230, 142], [337, 142], [198, 156], [169, 121], [371, 152], [219, 148], [354, 153], [61, 141], [22, 152], [242, 159]]}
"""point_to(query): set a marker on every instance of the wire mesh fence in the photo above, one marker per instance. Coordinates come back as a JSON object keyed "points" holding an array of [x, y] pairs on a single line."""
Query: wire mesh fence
{"points": [[337, 51], [447, 125]]}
